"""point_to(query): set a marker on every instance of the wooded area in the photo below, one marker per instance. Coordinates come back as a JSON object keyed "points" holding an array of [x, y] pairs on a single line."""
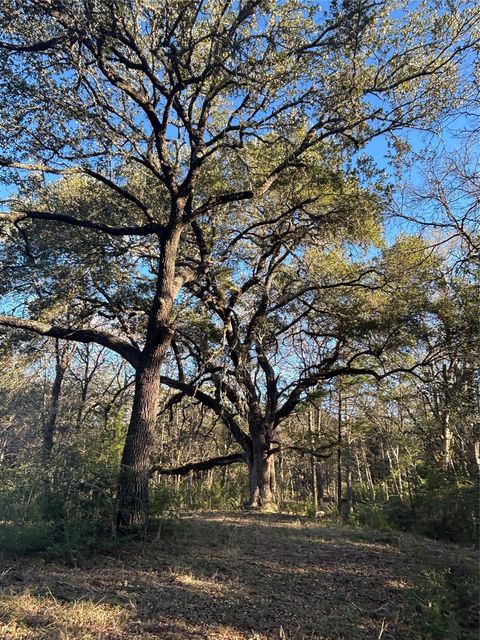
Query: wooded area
{"points": [[240, 248]]}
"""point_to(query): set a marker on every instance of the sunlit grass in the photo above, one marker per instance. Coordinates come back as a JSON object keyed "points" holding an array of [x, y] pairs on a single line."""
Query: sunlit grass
{"points": [[25, 616]]}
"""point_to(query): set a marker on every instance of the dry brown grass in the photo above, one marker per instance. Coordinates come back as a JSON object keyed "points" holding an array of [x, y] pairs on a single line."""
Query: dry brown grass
{"points": [[24, 616], [220, 577]]}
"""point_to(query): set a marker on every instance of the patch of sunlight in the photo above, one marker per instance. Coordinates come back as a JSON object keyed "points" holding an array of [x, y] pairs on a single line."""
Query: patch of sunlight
{"points": [[397, 584], [25, 616], [229, 633], [192, 581]]}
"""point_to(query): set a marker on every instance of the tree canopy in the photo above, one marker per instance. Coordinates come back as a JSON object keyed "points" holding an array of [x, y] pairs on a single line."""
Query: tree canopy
{"points": [[150, 142]]}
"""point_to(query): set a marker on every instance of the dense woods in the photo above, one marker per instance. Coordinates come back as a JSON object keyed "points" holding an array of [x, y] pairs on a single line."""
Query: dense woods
{"points": [[240, 264]]}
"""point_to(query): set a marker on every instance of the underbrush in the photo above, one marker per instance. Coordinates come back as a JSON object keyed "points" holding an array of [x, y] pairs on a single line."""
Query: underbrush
{"points": [[69, 514], [65, 511], [439, 507], [69, 511], [445, 602]]}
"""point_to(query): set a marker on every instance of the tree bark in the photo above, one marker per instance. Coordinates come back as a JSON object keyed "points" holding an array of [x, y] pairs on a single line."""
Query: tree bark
{"points": [[136, 456], [198, 467], [135, 464], [313, 463], [62, 360], [447, 437], [261, 473], [339, 452]]}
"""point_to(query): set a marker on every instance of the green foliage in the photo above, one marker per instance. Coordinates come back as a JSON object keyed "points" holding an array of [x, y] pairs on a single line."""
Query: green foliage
{"points": [[441, 507], [25, 537], [66, 510], [215, 493], [446, 603], [447, 508]]}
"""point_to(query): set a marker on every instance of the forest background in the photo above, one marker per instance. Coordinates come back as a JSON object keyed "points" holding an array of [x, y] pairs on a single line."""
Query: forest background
{"points": [[240, 251]]}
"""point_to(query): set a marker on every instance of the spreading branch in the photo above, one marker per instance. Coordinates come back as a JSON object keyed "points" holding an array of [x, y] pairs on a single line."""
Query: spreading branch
{"points": [[87, 335], [62, 218], [221, 461]]}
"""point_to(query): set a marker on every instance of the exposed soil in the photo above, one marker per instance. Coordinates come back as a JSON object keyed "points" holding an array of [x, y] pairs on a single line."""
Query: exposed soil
{"points": [[236, 576]]}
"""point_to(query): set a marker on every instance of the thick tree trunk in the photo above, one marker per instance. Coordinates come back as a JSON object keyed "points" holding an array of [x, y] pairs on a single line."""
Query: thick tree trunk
{"points": [[135, 464], [136, 456], [261, 471]]}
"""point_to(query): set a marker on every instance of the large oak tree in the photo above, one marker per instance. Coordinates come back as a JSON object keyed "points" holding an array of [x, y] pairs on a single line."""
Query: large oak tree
{"points": [[140, 97]]}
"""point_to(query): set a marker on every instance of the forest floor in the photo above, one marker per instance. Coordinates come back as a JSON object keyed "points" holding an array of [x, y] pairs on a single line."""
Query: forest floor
{"points": [[242, 576]]}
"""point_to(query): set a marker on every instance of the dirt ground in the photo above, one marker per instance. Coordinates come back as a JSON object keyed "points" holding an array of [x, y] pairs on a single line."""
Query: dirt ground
{"points": [[232, 576]]}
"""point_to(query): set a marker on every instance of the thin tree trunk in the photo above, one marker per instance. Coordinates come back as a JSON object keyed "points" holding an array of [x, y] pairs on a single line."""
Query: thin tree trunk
{"points": [[396, 453], [281, 466], [447, 437], [319, 469], [339, 453], [313, 464], [348, 470], [368, 474], [62, 360]]}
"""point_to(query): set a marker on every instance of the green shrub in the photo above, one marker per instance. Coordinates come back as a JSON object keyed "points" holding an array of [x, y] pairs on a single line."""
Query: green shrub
{"points": [[65, 510], [446, 603], [24, 538]]}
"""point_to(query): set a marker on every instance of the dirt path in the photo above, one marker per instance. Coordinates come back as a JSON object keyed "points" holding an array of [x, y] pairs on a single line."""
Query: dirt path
{"points": [[228, 577]]}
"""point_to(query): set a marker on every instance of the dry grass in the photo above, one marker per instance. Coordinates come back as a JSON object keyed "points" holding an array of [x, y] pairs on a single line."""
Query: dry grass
{"points": [[221, 577], [24, 616]]}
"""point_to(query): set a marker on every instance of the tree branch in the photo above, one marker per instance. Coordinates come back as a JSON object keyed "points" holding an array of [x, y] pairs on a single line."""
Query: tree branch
{"points": [[221, 461], [123, 348], [192, 390], [63, 218]]}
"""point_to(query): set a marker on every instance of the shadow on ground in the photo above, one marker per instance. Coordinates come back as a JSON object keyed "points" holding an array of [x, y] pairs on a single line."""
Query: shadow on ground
{"points": [[220, 577]]}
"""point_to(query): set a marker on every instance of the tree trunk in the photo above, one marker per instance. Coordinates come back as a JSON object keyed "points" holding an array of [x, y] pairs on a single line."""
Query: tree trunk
{"points": [[320, 482], [135, 464], [63, 356], [313, 463], [339, 452], [447, 437], [348, 470], [261, 473]]}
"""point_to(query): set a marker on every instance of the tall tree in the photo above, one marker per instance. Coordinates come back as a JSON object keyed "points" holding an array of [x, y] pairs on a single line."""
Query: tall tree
{"points": [[281, 308], [139, 97]]}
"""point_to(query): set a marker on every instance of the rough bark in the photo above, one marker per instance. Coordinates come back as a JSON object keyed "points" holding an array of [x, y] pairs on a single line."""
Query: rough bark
{"points": [[135, 464], [136, 457], [86, 336], [261, 472]]}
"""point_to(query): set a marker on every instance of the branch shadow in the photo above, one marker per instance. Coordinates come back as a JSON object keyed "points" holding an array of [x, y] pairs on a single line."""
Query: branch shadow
{"points": [[238, 577]]}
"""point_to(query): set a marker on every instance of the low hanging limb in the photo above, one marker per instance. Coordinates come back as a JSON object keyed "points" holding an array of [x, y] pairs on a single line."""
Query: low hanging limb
{"points": [[316, 453], [221, 461], [312, 452]]}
